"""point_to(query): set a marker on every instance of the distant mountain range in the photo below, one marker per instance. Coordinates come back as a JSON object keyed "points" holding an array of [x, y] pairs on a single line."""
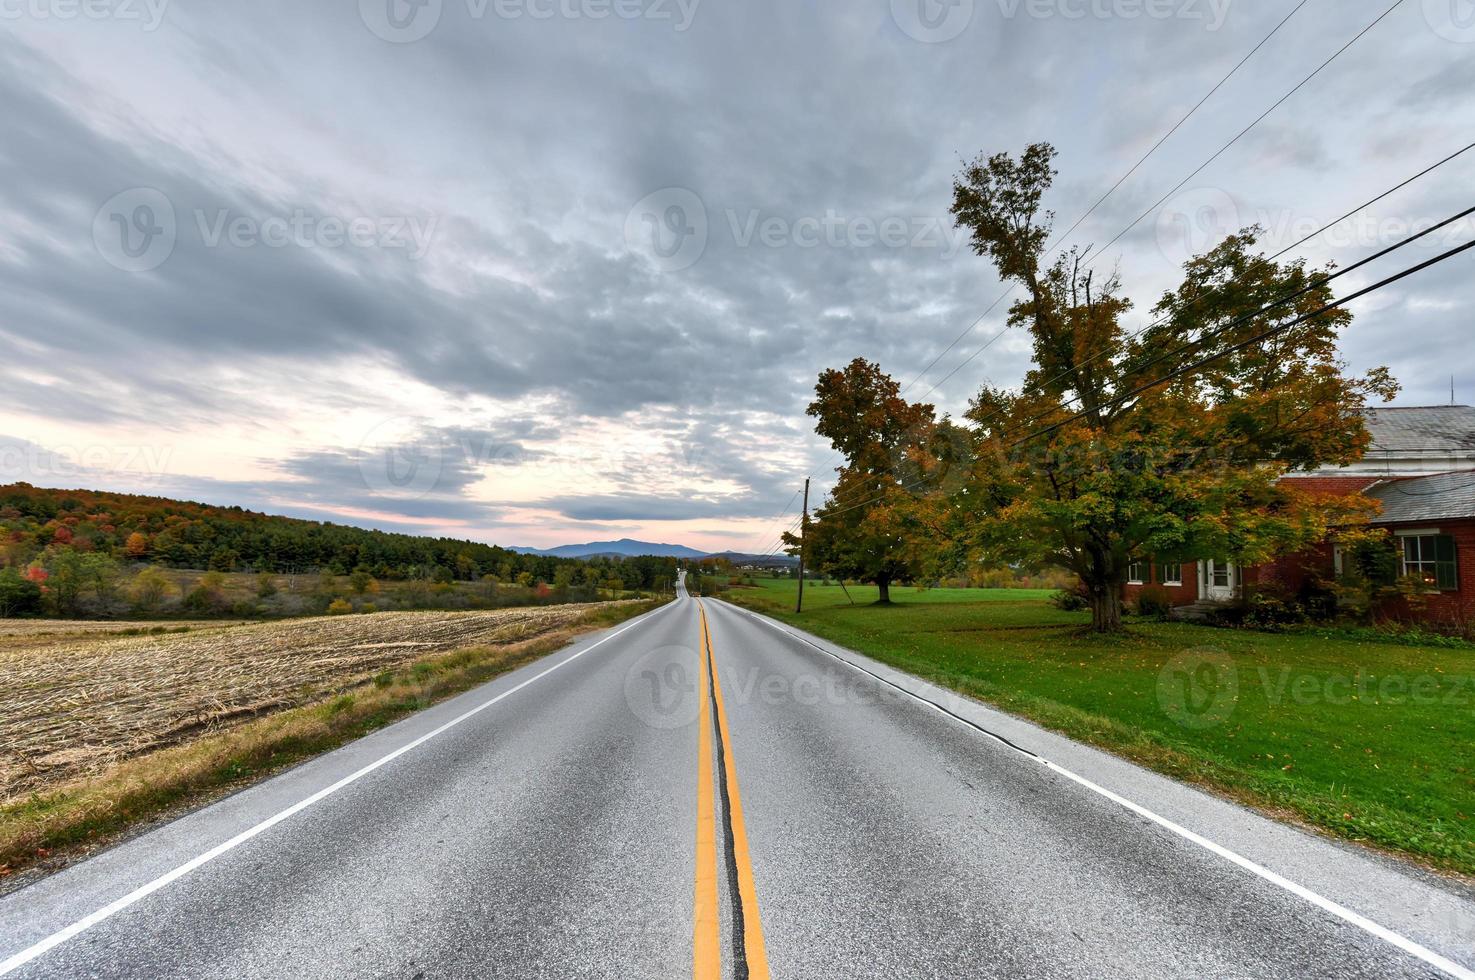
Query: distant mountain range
{"points": [[625, 548], [628, 548]]}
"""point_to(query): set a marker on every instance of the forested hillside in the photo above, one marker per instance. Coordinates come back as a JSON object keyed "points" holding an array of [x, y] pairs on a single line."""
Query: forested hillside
{"points": [[74, 541]]}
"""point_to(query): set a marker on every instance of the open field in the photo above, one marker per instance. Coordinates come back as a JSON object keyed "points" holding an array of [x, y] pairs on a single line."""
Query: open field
{"points": [[72, 703], [1370, 741], [97, 800]]}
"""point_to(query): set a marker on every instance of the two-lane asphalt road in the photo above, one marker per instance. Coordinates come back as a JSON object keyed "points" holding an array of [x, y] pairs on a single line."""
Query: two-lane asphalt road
{"points": [[702, 792]]}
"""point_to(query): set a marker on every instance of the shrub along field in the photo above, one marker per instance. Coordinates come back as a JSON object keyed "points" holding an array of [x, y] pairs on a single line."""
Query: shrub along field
{"points": [[1368, 740]]}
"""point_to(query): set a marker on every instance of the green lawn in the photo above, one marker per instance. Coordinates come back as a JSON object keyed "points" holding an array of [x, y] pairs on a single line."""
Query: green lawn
{"points": [[1370, 741]]}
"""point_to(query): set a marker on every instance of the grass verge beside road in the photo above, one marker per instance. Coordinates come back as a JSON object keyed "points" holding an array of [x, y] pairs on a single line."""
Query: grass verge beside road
{"points": [[1370, 741], [48, 828]]}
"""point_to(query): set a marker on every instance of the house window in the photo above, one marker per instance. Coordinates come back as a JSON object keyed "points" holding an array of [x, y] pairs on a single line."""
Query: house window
{"points": [[1171, 574], [1431, 559], [1135, 571]]}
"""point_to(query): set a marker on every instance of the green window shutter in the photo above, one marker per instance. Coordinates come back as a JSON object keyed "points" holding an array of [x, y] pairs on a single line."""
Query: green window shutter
{"points": [[1446, 574]]}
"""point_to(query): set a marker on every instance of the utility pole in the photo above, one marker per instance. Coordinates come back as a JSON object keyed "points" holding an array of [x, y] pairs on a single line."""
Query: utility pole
{"points": [[803, 534]]}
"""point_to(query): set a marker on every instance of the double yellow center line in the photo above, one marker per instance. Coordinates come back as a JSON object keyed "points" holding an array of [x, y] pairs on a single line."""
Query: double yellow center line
{"points": [[707, 938]]}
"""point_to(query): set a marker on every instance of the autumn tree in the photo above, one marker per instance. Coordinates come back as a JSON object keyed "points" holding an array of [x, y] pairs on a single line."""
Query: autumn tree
{"points": [[18, 595], [868, 529], [1118, 448]]}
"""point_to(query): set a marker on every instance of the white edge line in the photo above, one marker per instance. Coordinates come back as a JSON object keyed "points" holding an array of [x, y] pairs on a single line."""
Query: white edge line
{"points": [[143, 891], [1434, 959]]}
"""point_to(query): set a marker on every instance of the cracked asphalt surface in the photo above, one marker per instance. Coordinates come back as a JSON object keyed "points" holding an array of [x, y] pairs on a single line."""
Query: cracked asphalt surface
{"points": [[552, 833]]}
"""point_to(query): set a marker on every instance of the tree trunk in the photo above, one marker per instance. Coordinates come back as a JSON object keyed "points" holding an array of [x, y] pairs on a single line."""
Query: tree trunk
{"points": [[1105, 611], [884, 584], [1106, 608]]}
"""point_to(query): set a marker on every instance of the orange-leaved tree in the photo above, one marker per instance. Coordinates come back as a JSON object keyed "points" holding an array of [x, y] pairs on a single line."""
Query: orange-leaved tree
{"points": [[1119, 447], [870, 528]]}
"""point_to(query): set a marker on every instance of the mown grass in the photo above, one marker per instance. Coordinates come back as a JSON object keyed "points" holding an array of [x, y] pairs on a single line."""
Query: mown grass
{"points": [[51, 826], [1368, 740]]}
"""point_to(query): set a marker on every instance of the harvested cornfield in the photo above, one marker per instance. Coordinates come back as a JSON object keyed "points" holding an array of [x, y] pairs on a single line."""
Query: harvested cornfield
{"points": [[71, 704]]}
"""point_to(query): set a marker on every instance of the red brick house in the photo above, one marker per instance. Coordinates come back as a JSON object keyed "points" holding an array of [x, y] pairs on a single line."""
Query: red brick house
{"points": [[1420, 468]]}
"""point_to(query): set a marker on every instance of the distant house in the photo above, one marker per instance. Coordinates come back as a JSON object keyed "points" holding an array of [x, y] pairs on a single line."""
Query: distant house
{"points": [[1420, 468]]}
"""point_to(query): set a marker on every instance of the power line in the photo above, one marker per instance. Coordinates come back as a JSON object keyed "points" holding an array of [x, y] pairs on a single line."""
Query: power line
{"points": [[762, 535], [1290, 297], [1201, 167], [1264, 335], [1203, 362], [1240, 135], [1089, 211], [1102, 199]]}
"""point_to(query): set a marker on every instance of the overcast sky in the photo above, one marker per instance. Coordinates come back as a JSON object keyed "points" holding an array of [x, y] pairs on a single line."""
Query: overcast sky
{"points": [[544, 271]]}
